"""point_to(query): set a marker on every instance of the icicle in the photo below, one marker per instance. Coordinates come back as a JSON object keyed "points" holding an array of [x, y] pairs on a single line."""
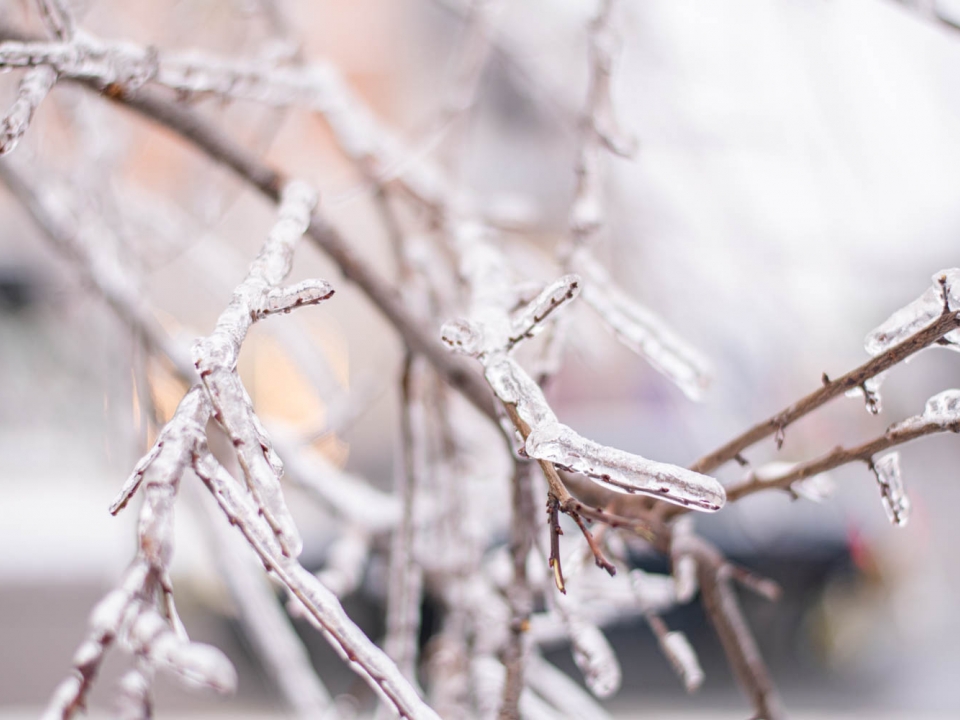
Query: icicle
{"points": [[870, 392], [684, 566], [894, 499]]}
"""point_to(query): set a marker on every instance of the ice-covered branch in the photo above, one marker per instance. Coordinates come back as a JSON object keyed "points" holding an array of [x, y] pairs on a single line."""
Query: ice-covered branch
{"points": [[677, 649], [34, 86], [323, 608], [216, 356], [599, 127], [491, 333], [57, 17], [519, 593], [940, 415], [269, 630], [405, 574], [129, 614], [899, 349]]}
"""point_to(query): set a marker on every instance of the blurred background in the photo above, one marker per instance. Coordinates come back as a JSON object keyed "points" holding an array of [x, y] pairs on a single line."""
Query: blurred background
{"points": [[797, 180]]}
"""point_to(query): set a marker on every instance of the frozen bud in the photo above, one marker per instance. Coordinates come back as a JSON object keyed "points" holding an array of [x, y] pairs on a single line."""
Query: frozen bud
{"points": [[816, 488]]}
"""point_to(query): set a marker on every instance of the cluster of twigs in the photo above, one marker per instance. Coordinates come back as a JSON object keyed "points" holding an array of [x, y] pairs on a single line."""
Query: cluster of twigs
{"points": [[445, 516]]}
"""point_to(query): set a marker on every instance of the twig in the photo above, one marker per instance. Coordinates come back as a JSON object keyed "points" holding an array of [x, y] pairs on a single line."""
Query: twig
{"points": [[896, 435], [519, 592], [215, 357], [405, 575], [277, 644], [323, 608], [34, 87], [929, 335]]}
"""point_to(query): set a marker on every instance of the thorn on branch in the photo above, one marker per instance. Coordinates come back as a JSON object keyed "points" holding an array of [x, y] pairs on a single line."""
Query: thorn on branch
{"points": [[825, 379], [553, 512], [741, 460]]}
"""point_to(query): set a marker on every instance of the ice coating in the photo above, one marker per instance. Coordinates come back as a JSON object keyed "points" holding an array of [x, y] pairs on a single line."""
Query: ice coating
{"points": [[943, 408], [685, 578], [918, 314], [816, 488], [683, 658], [528, 320], [642, 331], [623, 471], [595, 658], [892, 495], [870, 392], [513, 385]]}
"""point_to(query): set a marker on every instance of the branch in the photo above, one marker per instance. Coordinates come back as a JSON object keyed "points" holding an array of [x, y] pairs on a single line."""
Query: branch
{"points": [[519, 593], [216, 356], [324, 609], [898, 434], [776, 424]]}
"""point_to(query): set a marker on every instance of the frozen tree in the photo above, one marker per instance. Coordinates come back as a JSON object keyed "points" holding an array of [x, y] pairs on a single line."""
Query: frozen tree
{"points": [[485, 329]]}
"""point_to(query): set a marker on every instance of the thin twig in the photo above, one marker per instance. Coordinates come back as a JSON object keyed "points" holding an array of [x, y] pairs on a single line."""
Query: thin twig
{"points": [[896, 435], [829, 390]]}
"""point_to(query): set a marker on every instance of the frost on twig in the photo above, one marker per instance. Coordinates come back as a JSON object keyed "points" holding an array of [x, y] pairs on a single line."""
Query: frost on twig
{"points": [[895, 501]]}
